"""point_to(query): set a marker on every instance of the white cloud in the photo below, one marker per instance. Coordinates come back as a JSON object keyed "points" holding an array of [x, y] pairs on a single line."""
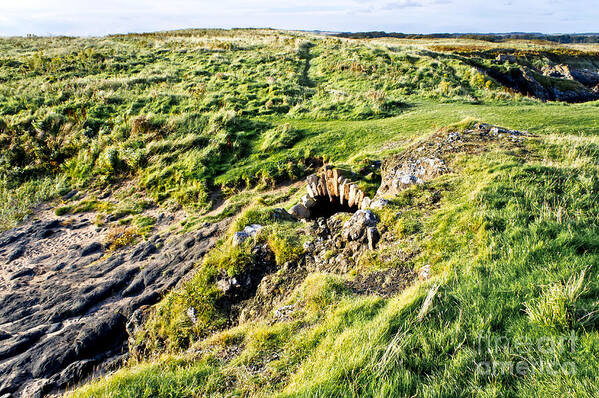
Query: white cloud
{"points": [[85, 17]]}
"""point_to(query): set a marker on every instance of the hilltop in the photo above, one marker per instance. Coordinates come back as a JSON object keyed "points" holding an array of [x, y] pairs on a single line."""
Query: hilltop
{"points": [[274, 213]]}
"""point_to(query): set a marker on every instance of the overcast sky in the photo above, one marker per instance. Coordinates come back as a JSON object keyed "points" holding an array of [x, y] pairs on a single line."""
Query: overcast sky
{"points": [[99, 17]]}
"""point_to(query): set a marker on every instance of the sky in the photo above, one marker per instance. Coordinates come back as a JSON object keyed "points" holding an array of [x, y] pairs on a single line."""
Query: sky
{"points": [[100, 17]]}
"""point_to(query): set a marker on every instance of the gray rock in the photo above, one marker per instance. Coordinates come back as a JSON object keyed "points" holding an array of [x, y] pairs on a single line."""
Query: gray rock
{"points": [[299, 211], [379, 204], [309, 246], [191, 313], [354, 229], [373, 236], [408, 179], [239, 238], [248, 231], [308, 202], [73, 319]]}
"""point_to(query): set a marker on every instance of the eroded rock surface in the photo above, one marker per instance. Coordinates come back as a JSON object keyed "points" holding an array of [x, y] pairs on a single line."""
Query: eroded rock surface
{"points": [[428, 159], [65, 301]]}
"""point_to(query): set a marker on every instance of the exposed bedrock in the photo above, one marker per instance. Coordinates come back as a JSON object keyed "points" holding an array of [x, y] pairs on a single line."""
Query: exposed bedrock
{"points": [[65, 302], [428, 159], [553, 83]]}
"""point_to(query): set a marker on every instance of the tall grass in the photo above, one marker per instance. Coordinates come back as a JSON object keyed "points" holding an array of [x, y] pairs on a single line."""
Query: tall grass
{"points": [[17, 203]]}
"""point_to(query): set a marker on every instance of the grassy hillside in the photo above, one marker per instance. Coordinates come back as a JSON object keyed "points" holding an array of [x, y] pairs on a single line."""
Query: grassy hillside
{"points": [[219, 123], [188, 112]]}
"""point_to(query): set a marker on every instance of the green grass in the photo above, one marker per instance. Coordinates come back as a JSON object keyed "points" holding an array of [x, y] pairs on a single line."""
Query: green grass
{"points": [[187, 117], [18, 202], [514, 251], [183, 113]]}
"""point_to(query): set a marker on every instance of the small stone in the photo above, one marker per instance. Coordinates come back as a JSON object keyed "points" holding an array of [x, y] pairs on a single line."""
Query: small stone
{"points": [[191, 313], [309, 246], [224, 285], [308, 202], [248, 231], [424, 272], [379, 204], [373, 237], [284, 312]]}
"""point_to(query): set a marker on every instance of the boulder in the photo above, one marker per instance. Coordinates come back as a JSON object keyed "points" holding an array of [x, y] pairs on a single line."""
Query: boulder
{"points": [[299, 211], [354, 229]]}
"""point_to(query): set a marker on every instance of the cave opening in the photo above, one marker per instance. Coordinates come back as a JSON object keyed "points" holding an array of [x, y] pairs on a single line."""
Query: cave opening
{"points": [[329, 193], [327, 208]]}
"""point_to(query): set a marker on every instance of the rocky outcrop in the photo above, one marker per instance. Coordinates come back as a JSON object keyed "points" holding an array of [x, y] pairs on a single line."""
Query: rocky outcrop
{"points": [[587, 77], [550, 84], [428, 159], [243, 286], [66, 303], [339, 241]]}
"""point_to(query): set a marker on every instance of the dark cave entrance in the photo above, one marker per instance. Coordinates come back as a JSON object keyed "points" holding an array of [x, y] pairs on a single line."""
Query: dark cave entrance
{"points": [[327, 208], [328, 193]]}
